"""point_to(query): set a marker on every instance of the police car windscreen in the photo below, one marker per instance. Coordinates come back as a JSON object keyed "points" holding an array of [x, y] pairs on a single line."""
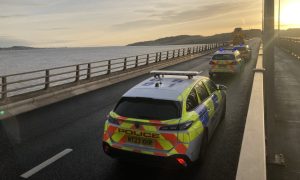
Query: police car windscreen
{"points": [[146, 108], [223, 57]]}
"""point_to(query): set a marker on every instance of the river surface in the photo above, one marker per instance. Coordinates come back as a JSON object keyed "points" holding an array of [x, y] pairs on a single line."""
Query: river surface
{"points": [[17, 61]]}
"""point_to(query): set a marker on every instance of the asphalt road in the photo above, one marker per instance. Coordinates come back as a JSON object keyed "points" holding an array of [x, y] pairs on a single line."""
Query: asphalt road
{"points": [[283, 129], [77, 123]]}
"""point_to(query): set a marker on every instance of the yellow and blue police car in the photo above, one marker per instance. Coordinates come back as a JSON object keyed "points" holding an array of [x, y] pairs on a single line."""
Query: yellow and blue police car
{"points": [[225, 61], [168, 118], [245, 51]]}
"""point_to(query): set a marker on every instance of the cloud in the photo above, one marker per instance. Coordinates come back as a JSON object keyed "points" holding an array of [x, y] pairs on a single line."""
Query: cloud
{"points": [[12, 16], [55, 29], [174, 17]]}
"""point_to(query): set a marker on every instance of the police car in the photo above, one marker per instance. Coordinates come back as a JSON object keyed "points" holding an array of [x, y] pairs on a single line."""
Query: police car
{"points": [[168, 118], [225, 61], [244, 50]]}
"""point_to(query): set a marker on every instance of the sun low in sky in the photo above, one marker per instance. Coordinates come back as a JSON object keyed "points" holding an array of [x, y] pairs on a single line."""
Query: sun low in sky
{"points": [[290, 14], [61, 23]]}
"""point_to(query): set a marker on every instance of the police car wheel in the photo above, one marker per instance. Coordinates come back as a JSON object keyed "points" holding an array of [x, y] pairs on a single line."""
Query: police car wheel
{"points": [[224, 111]]}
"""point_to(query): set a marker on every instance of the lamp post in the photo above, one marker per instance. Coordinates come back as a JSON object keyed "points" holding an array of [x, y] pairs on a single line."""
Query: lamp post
{"points": [[268, 58], [278, 35]]}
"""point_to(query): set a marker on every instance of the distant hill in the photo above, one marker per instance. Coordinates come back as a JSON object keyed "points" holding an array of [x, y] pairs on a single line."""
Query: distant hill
{"points": [[196, 39], [293, 32], [17, 48]]}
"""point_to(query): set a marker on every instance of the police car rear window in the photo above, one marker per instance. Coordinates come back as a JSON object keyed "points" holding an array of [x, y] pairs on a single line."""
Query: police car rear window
{"points": [[146, 108], [241, 49], [223, 57]]}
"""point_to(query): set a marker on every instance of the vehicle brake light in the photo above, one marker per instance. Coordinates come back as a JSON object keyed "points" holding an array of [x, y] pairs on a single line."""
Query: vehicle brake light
{"points": [[233, 63], [181, 161], [212, 62]]}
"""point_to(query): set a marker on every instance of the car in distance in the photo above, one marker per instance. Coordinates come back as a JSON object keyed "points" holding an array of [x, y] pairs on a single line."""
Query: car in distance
{"points": [[225, 61], [168, 118], [245, 51]]}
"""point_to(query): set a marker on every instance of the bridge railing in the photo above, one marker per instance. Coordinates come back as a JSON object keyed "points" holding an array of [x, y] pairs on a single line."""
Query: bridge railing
{"points": [[28, 82], [291, 45]]}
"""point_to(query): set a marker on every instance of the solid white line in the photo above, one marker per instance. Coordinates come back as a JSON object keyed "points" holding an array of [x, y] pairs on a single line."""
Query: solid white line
{"points": [[45, 163]]}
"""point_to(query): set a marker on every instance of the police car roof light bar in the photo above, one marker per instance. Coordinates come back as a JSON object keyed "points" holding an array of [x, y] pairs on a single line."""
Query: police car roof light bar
{"points": [[189, 74]]}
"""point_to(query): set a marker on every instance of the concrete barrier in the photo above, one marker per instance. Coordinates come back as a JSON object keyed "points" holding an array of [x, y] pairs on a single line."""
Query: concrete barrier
{"points": [[252, 161]]}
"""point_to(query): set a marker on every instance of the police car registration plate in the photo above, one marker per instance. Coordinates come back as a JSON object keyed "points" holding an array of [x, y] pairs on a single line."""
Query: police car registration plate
{"points": [[139, 140]]}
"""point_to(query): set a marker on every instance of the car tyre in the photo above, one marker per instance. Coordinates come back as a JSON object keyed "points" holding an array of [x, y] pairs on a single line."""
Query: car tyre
{"points": [[224, 110], [211, 75]]}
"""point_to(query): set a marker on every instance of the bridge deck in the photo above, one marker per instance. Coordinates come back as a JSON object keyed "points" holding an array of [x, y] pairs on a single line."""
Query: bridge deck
{"points": [[283, 131], [77, 123]]}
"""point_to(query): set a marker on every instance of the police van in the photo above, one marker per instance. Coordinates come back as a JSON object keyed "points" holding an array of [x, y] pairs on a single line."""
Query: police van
{"points": [[168, 118]]}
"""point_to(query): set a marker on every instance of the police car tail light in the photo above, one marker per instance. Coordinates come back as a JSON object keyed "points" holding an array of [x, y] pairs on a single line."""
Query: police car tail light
{"points": [[182, 126], [233, 63], [181, 161], [113, 120]]}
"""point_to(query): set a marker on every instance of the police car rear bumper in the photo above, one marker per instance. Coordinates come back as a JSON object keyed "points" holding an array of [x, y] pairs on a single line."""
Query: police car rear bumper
{"points": [[223, 70], [145, 159]]}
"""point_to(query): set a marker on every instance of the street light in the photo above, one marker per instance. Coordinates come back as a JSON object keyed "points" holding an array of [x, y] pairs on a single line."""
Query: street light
{"points": [[278, 20]]}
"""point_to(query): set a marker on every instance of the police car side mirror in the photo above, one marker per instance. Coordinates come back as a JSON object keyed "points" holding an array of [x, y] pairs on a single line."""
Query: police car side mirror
{"points": [[221, 87]]}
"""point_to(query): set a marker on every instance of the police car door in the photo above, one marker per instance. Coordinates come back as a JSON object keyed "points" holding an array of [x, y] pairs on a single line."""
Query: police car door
{"points": [[215, 102], [204, 110]]}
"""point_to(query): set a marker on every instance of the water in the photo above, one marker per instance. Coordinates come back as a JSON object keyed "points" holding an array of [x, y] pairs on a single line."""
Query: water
{"points": [[17, 61]]}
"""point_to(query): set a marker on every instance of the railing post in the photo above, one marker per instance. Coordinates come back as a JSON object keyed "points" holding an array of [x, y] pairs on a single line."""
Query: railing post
{"points": [[178, 54], [47, 79], [77, 73], [156, 57], [108, 66], [4, 88], [173, 53], [136, 61], [147, 59], [125, 64], [183, 52], [88, 76], [167, 55], [160, 56]]}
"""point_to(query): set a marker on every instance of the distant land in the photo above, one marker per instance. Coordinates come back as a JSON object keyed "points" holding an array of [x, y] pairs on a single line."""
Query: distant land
{"points": [[198, 39], [292, 32], [18, 48]]}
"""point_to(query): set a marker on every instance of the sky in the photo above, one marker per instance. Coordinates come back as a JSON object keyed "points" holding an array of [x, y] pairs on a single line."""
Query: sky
{"points": [[79, 23]]}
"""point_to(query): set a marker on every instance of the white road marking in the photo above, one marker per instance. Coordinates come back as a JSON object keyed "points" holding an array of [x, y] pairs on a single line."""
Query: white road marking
{"points": [[45, 163]]}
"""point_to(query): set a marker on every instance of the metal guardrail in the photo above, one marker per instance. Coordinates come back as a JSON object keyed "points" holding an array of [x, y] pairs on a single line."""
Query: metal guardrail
{"points": [[252, 161], [21, 83], [291, 45]]}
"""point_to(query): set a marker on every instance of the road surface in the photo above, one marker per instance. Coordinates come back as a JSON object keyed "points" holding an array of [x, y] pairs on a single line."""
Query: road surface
{"points": [[29, 139]]}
